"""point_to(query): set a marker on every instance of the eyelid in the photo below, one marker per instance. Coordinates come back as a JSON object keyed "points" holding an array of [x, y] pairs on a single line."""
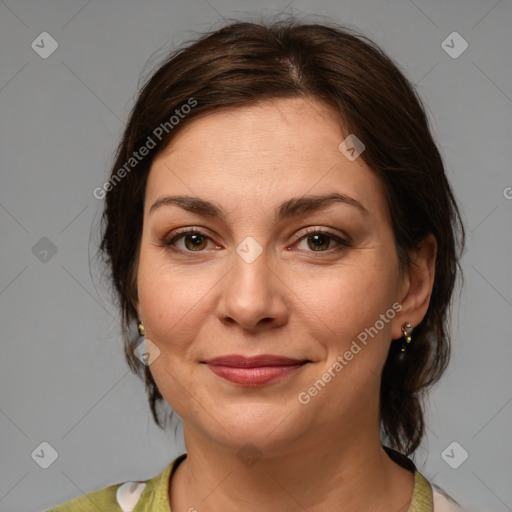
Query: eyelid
{"points": [[168, 240], [340, 238]]}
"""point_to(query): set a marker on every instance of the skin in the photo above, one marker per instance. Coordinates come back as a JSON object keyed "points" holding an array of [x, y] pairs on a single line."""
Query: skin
{"points": [[292, 300]]}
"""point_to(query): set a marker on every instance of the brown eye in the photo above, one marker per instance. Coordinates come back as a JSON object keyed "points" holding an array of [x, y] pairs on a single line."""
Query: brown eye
{"points": [[319, 241], [194, 241], [197, 242]]}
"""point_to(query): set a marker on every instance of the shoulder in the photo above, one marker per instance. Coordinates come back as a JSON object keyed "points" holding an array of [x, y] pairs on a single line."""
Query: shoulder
{"points": [[443, 502], [123, 497], [426, 495]]}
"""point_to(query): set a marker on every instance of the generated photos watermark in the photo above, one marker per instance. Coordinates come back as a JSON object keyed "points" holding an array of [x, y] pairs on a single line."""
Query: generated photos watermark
{"points": [[342, 360], [137, 156]]}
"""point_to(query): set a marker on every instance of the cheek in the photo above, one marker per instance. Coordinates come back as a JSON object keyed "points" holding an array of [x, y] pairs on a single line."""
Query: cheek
{"points": [[168, 299], [352, 297], [172, 299], [162, 297]]}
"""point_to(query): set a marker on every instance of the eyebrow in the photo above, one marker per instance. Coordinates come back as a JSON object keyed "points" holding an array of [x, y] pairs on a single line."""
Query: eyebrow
{"points": [[290, 208]]}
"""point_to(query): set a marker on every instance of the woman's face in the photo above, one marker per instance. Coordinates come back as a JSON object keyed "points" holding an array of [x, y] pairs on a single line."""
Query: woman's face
{"points": [[267, 271]]}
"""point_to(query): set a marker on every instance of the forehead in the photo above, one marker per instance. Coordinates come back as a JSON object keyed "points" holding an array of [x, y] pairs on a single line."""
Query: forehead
{"points": [[271, 150], [273, 128]]}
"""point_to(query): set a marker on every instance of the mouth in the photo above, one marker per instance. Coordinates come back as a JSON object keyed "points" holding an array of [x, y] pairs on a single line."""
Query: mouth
{"points": [[253, 371]]}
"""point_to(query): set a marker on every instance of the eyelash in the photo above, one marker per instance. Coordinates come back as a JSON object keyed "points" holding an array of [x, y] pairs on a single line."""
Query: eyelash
{"points": [[343, 244]]}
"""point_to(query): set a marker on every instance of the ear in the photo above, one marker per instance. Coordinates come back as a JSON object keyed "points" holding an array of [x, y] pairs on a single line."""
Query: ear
{"points": [[416, 286]]}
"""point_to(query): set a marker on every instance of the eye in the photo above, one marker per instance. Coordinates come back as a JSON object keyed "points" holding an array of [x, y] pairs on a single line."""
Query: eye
{"points": [[318, 240], [194, 240]]}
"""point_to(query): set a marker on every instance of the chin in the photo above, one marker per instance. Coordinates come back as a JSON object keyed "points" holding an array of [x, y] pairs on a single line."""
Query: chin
{"points": [[269, 428]]}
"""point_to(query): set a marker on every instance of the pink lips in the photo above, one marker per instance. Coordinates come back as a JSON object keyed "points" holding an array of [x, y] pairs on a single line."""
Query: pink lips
{"points": [[253, 371]]}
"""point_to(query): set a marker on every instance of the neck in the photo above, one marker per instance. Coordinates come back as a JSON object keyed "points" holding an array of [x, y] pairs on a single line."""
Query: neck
{"points": [[311, 475]]}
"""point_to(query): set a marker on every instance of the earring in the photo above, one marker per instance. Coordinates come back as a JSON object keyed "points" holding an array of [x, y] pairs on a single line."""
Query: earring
{"points": [[406, 333], [142, 331]]}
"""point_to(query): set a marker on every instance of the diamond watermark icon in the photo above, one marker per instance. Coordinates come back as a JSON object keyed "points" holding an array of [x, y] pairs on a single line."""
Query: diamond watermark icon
{"points": [[44, 45], [44, 250], [45, 455], [352, 147], [454, 45], [146, 351], [249, 249], [249, 455], [454, 455]]}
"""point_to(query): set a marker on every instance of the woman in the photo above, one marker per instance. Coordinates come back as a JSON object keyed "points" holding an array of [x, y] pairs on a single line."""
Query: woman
{"points": [[281, 233]]}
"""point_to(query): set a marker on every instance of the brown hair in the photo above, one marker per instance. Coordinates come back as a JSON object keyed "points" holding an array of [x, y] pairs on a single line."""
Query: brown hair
{"points": [[244, 63]]}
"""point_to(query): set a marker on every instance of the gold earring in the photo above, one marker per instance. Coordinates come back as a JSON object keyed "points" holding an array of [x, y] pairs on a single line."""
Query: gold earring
{"points": [[142, 331], [406, 333]]}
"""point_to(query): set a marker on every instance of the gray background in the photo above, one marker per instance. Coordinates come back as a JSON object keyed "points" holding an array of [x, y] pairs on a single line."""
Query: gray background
{"points": [[63, 376]]}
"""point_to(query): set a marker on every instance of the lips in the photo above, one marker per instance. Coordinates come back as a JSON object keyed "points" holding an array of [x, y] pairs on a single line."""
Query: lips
{"points": [[237, 361], [254, 371]]}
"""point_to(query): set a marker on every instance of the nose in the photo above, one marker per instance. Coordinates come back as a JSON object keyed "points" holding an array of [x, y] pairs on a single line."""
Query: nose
{"points": [[253, 296]]}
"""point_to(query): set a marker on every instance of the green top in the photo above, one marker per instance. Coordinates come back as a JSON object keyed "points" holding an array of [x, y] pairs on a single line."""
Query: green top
{"points": [[153, 495]]}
